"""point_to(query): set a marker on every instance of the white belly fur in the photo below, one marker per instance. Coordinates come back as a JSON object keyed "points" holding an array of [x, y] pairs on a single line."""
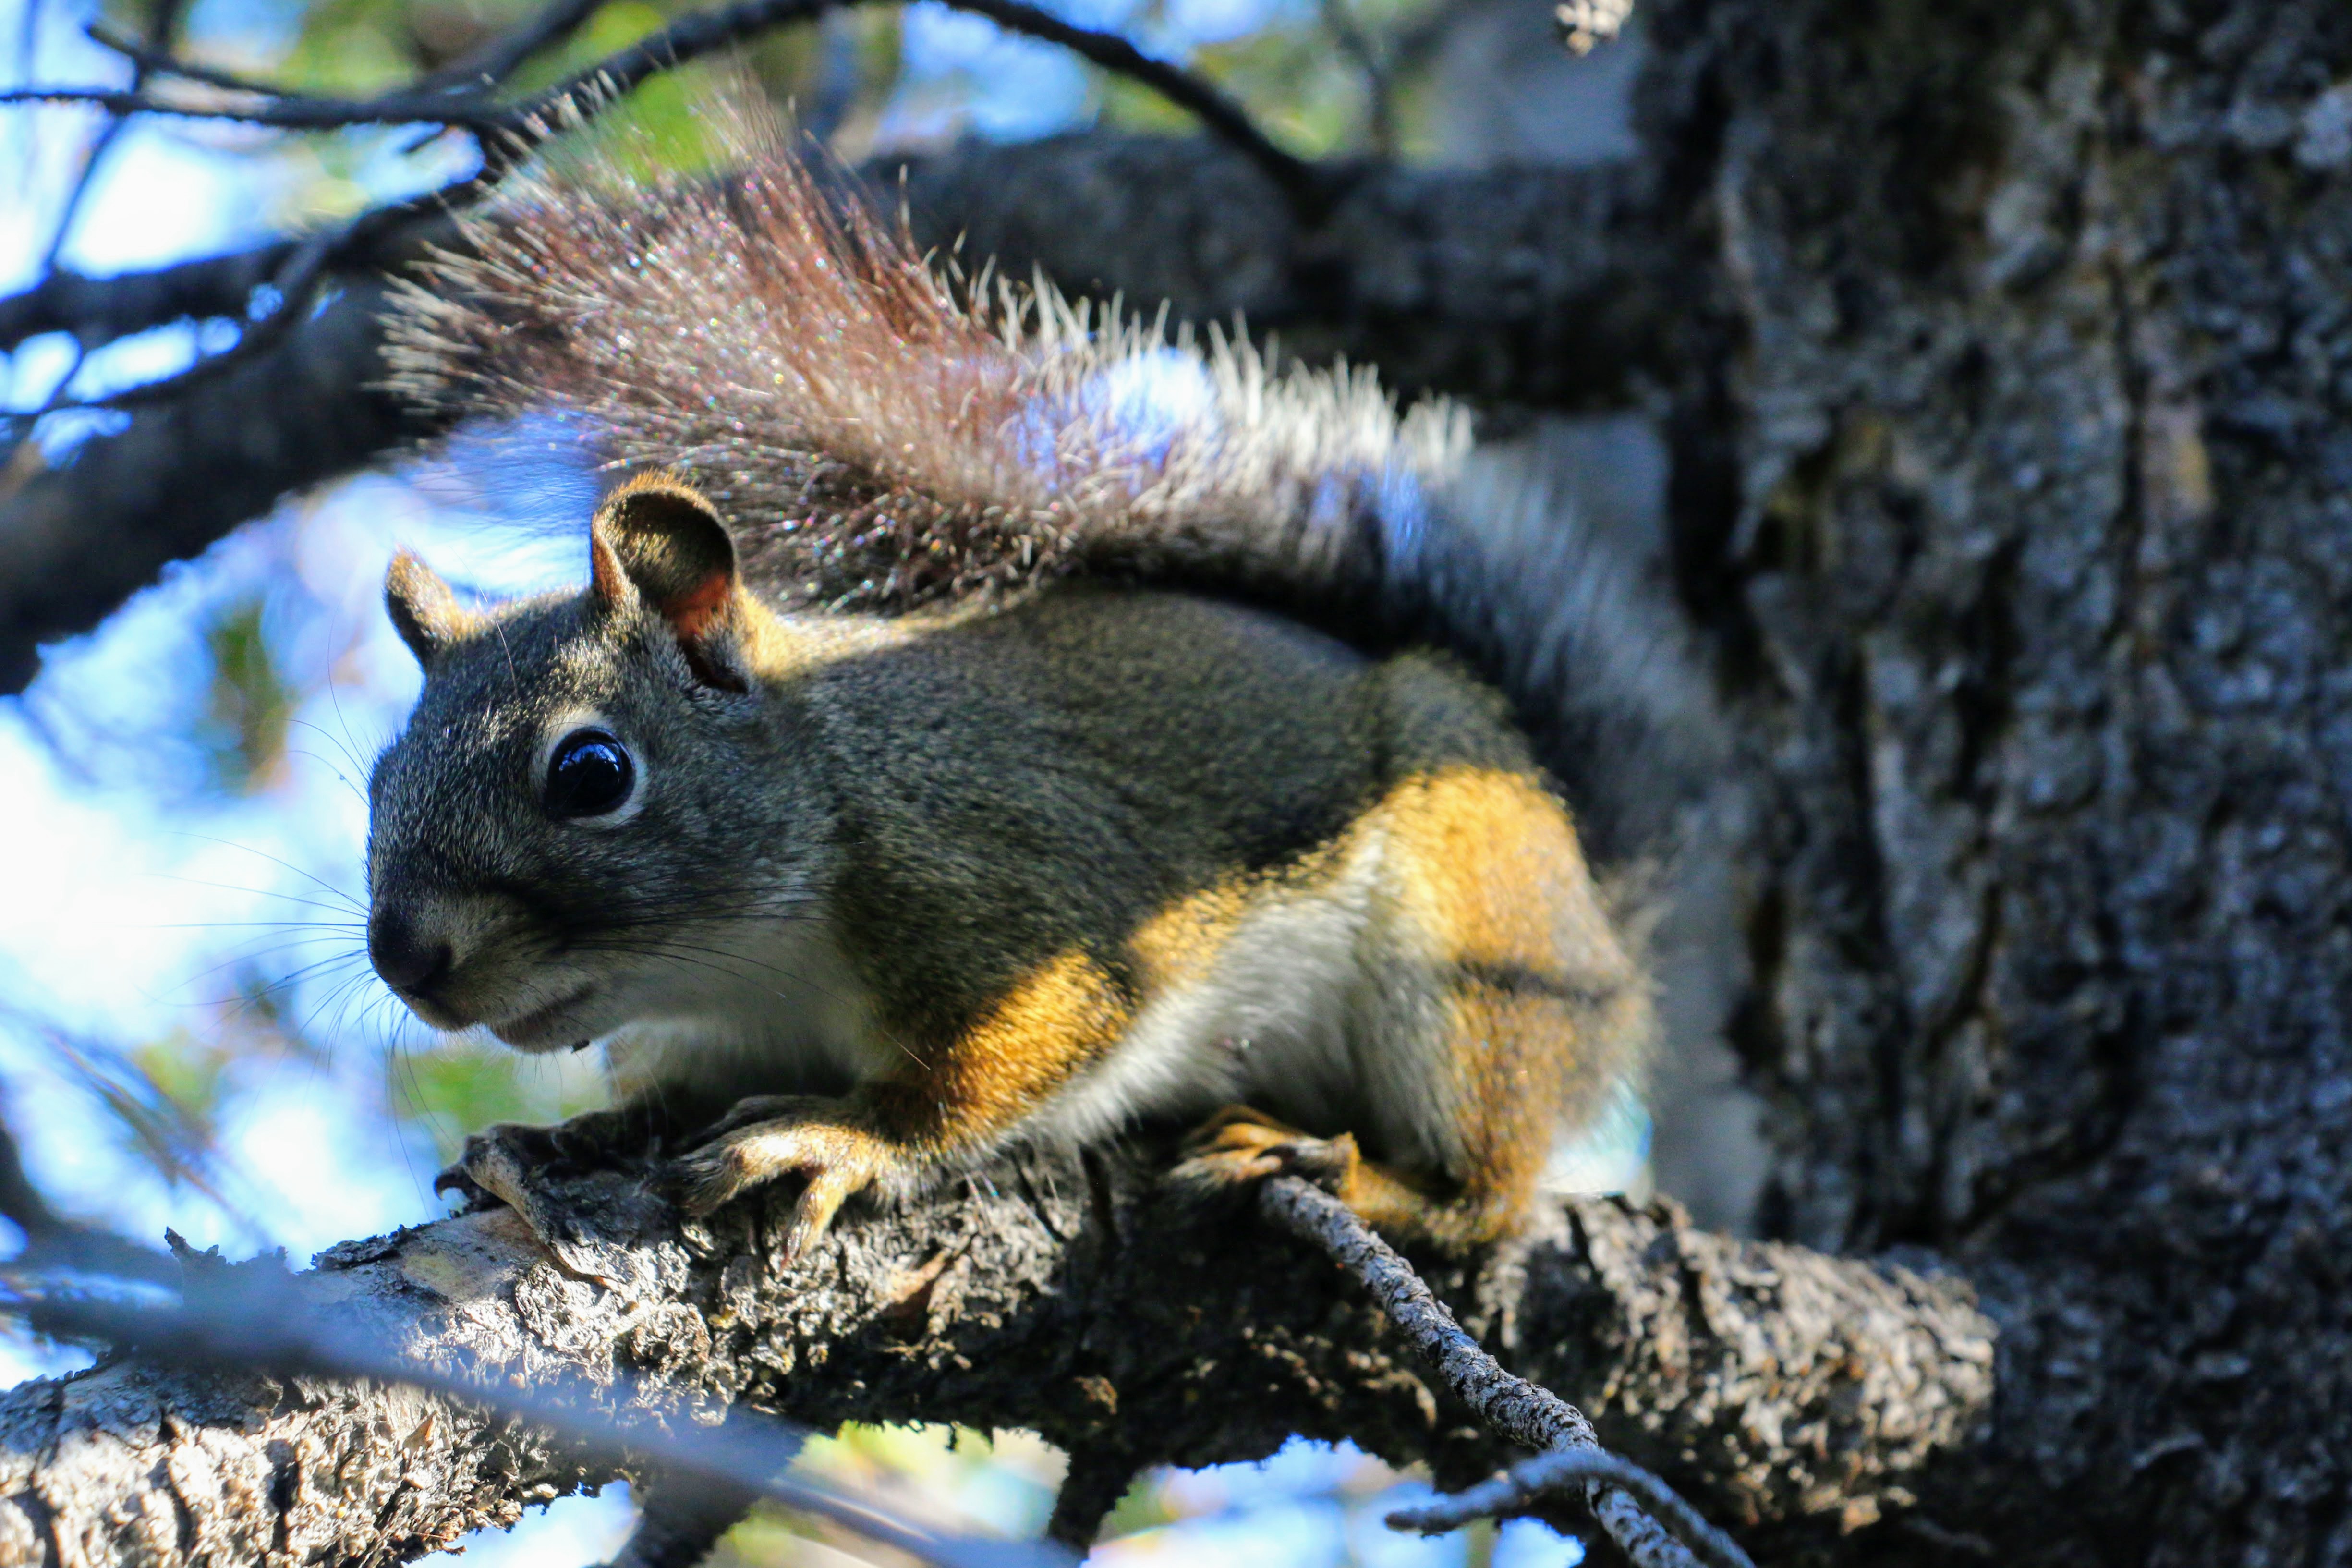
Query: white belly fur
{"points": [[1317, 1009]]}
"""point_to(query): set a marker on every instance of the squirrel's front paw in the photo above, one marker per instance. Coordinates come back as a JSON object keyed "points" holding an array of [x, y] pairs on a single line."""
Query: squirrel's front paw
{"points": [[761, 1139], [507, 1164], [493, 1165], [512, 1164], [498, 1162], [1239, 1146]]}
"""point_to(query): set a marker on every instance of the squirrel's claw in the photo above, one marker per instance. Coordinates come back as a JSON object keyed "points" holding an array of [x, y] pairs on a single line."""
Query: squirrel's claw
{"points": [[488, 1170], [1239, 1146], [454, 1178], [755, 1144]]}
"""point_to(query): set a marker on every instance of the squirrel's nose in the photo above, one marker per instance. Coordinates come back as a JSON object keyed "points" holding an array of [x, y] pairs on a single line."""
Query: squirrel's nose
{"points": [[406, 960]]}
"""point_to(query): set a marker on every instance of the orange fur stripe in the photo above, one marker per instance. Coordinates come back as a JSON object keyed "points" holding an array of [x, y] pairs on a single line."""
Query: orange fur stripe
{"points": [[1063, 1014], [1491, 859]]}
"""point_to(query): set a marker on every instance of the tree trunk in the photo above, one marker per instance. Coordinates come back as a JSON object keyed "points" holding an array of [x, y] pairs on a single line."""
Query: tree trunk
{"points": [[2014, 502]]}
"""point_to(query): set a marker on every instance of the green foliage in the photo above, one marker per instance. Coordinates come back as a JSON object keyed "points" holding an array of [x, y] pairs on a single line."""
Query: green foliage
{"points": [[948, 1476], [166, 1097], [355, 46], [458, 1087], [248, 703], [1299, 79], [186, 1075]]}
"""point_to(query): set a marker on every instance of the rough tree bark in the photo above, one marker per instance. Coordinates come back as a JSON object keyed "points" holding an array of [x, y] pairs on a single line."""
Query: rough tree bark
{"points": [[1060, 1296], [2028, 555]]}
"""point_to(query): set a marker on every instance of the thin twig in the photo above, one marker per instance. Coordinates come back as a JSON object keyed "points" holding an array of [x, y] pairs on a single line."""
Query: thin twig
{"points": [[160, 61], [161, 26], [427, 103], [507, 132], [296, 270], [1515, 1409], [285, 111], [1512, 1407], [487, 67], [300, 274], [53, 1241], [1309, 189], [1298, 180], [177, 1142], [1527, 1482], [689, 38], [500, 57]]}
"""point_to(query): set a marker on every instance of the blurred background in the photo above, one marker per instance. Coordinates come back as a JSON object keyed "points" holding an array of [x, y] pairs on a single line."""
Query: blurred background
{"points": [[189, 1033]]}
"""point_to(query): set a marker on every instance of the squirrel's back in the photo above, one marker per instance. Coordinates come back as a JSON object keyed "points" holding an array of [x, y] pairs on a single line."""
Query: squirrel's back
{"points": [[1201, 808]]}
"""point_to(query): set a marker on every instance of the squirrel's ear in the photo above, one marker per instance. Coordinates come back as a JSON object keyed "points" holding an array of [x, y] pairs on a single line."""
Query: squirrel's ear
{"points": [[424, 611], [657, 540]]}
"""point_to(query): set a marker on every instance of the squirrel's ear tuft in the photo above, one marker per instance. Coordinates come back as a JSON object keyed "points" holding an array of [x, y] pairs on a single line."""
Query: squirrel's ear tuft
{"points": [[657, 540], [424, 611]]}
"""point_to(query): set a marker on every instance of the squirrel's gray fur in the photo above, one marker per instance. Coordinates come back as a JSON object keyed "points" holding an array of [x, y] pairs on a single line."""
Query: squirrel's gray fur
{"points": [[1013, 724]]}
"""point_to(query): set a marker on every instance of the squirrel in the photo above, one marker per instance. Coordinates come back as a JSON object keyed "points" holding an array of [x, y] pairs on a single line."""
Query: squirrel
{"points": [[989, 720]]}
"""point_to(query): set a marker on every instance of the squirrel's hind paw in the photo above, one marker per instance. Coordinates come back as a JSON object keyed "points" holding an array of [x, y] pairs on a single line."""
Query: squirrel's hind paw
{"points": [[1239, 1146], [761, 1139]]}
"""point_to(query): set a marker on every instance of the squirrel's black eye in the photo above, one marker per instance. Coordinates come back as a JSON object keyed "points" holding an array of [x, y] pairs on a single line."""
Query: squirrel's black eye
{"points": [[589, 775]]}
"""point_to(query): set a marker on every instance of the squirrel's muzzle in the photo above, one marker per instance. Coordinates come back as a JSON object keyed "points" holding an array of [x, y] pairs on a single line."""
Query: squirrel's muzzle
{"points": [[410, 961]]}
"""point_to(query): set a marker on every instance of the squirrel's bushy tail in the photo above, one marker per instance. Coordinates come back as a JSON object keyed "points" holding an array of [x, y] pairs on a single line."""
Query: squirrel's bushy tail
{"points": [[884, 437]]}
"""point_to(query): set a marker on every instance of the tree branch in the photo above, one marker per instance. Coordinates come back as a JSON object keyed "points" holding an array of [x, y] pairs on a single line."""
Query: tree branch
{"points": [[162, 25], [1058, 1295], [286, 111], [75, 540], [254, 1320], [1311, 188], [504, 128], [53, 1241], [461, 97], [502, 57], [1535, 286], [157, 59], [1513, 1408], [100, 310]]}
